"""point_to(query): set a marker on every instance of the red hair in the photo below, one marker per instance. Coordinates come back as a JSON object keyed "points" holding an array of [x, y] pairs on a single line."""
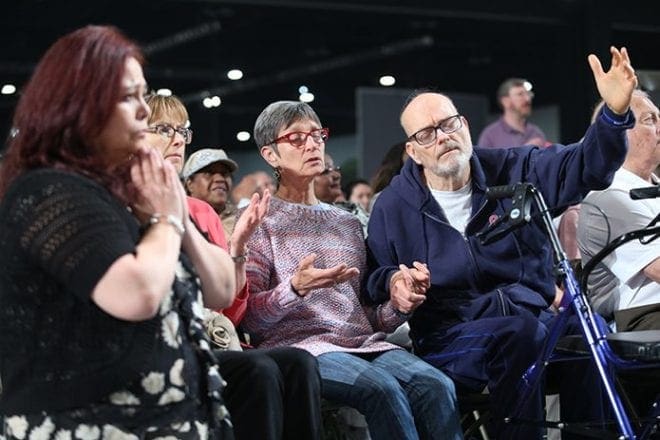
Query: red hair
{"points": [[67, 103]]}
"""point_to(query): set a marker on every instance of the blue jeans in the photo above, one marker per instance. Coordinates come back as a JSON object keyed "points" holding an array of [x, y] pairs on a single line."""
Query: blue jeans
{"points": [[400, 395]]}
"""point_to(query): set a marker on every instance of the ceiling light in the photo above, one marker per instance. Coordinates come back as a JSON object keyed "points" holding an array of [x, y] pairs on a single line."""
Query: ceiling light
{"points": [[303, 89], [243, 136], [211, 101], [8, 89], [235, 74], [306, 97], [164, 92], [527, 85], [387, 80]]}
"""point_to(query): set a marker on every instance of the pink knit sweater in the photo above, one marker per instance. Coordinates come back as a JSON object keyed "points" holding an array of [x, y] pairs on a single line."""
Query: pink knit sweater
{"points": [[327, 319]]}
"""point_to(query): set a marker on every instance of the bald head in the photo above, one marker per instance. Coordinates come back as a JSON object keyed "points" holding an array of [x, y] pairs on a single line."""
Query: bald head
{"points": [[444, 155], [424, 104]]}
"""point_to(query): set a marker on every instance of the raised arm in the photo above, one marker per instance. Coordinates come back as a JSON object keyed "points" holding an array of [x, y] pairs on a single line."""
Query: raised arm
{"points": [[566, 175], [246, 224], [212, 263]]}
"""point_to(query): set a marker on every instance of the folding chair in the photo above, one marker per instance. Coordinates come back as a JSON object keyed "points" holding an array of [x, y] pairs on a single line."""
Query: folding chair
{"points": [[475, 414], [611, 352]]}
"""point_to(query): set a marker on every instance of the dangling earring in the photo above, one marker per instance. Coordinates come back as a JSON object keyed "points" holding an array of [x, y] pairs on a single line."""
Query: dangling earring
{"points": [[277, 174]]}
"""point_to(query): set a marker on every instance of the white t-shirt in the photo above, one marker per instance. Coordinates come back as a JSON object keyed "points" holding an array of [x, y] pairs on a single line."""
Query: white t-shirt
{"points": [[457, 205]]}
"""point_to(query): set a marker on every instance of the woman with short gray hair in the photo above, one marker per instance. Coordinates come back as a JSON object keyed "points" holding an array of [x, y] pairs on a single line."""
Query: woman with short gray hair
{"points": [[304, 287]]}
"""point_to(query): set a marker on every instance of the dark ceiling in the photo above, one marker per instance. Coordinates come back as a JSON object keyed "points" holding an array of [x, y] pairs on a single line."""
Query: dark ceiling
{"points": [[333, 47]]}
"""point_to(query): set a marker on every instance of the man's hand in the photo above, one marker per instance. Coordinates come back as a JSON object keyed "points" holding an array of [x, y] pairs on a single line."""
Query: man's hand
{"points": [[559, 294], [408, 287], [616, 85], [308, 277]]}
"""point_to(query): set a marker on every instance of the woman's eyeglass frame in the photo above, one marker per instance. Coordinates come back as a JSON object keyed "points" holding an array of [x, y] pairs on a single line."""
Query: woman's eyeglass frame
{"points": [[168, 131], [319, 135]]}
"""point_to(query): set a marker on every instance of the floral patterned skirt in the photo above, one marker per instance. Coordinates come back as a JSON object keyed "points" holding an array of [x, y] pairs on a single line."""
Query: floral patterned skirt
{"points": [[68, 426], [165, 402]]}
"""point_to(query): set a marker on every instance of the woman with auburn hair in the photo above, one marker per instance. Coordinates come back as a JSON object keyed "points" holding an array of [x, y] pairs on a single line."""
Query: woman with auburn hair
{"points": [[101, 266], [273, 393]]}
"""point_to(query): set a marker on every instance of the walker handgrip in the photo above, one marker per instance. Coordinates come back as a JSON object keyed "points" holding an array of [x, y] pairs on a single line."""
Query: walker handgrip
{"points": [[501, 192], [649, 192]]}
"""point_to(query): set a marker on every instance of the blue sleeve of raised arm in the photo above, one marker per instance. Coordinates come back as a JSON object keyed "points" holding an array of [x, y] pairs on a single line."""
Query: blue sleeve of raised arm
{"points": [[565, 174]]}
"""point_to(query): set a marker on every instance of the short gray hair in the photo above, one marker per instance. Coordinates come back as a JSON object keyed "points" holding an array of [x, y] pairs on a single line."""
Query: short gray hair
{"points": [[279, 115]]}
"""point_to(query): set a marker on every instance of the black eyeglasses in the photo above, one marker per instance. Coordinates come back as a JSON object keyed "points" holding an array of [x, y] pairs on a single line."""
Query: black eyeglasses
{"points": [[327, 170], [428, 135], [167, 131], [298, 138]]}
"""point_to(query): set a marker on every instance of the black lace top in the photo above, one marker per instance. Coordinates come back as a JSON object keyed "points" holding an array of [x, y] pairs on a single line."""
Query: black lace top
{"points": [[59, 234]]}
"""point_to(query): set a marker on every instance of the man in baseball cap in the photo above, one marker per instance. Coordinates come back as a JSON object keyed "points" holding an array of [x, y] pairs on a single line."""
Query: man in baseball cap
{"points": [[207, 175]]}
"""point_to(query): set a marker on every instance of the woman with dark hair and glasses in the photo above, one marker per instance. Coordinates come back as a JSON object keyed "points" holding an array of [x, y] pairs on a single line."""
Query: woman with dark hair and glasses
{"points": [[101, 267], [271, 394], [305, 260]]}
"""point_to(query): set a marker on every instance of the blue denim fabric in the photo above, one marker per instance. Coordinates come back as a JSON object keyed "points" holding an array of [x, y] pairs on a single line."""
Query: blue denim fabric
{"points": [[401, 396]]}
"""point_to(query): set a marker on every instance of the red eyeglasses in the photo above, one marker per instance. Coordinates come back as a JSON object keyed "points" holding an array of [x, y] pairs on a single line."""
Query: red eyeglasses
{"points": [[299, 138]]}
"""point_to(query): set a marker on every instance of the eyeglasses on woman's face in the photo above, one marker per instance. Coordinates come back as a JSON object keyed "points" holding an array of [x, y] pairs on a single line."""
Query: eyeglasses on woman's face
{"points": [[168, 131], [427, 135], [298, 139]]}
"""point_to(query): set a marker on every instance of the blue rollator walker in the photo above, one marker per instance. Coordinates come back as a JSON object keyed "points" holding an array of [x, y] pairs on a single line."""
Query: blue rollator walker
{"points": [[611, 352]]}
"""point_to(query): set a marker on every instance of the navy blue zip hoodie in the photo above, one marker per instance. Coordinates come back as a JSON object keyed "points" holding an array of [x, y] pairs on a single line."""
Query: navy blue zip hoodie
{"points": [[470, 280]]}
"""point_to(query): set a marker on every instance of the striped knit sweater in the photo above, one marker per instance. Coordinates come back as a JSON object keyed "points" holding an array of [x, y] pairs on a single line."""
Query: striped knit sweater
{"points": [[327, 319]]}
